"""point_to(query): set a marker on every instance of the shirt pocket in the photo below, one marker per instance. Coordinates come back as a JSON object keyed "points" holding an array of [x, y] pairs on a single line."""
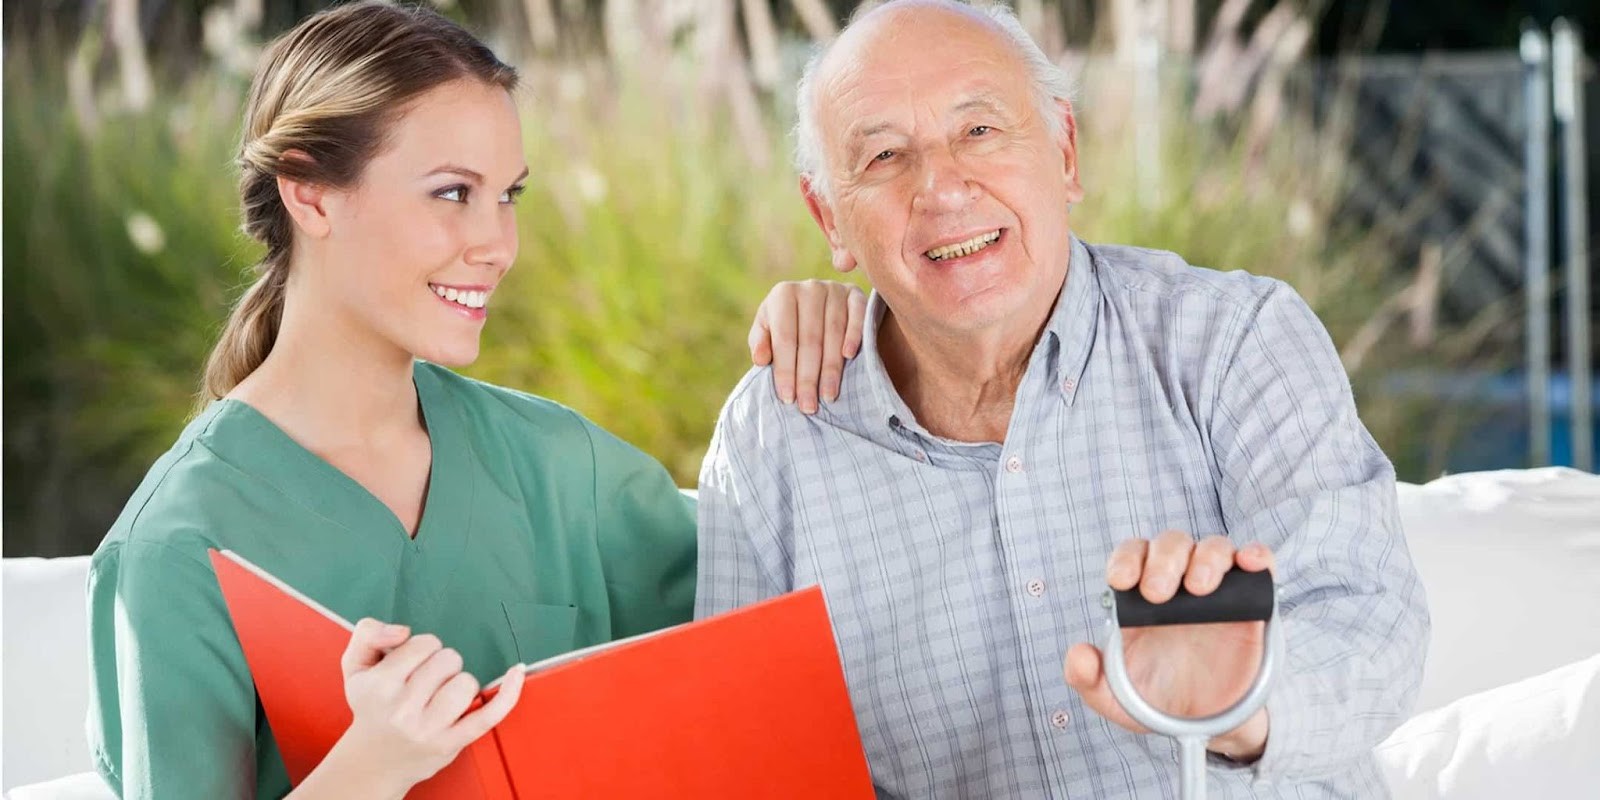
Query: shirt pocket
{"points": [[540, 631]]}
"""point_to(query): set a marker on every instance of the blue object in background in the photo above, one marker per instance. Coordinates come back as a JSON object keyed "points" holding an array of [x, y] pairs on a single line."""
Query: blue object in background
{"points": [[1494, 414]]}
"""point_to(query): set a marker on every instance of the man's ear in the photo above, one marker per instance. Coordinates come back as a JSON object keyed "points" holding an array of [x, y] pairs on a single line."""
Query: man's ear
{"points": [[1069, 149], [822, 212], [305, 202]]}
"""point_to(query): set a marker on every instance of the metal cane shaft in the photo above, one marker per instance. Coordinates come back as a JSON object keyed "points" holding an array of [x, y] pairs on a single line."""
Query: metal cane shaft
{"points": [[1192, 761]]}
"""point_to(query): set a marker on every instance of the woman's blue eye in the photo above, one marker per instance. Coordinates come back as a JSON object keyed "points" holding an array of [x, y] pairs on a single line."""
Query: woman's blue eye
{"points": [[884, 156], [512, 194], [455, 194], [979, 130]]}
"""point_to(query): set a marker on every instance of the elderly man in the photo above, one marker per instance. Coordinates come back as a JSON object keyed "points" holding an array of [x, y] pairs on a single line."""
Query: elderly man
{"points": [[1032, 418]]}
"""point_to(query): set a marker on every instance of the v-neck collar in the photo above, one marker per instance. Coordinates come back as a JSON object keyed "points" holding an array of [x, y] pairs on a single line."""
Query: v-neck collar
{"points": [[238, 429]]}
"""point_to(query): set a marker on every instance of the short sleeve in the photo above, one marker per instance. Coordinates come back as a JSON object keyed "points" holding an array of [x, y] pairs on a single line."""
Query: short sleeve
{"points": [[172, 710], [645, 527]]}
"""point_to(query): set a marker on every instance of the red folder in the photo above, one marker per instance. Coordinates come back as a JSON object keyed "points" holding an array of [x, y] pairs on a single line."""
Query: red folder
{"points": [[748, 704]]}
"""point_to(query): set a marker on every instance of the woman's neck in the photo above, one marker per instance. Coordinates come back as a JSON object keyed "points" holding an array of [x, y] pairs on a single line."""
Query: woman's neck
{"points": [[332, 386]]}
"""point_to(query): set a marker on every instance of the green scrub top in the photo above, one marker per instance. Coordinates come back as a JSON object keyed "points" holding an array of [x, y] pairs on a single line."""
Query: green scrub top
{"points": [[541, 533]]}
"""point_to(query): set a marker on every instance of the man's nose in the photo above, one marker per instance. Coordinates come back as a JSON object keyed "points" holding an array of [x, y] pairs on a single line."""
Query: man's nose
{"points": [[944, 184]]}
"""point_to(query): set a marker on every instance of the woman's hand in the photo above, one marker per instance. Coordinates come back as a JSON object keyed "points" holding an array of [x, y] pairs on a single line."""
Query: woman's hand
{"points": [[806, 330], [410, 698]]}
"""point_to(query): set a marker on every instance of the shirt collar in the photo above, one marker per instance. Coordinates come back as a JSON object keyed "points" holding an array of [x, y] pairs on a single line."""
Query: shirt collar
{"points": [[1073, 321], [1068, 333]]}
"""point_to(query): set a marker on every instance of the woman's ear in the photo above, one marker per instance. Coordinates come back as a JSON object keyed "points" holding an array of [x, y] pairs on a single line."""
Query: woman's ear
{"points": [[304, 201]]}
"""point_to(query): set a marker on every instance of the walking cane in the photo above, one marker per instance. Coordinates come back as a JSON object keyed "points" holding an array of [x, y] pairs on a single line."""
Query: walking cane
{"points": [[1241, 597]]}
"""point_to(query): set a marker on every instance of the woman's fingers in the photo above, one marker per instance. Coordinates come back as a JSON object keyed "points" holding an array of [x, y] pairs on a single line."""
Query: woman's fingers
{"points": [[368, 644], [467, 729]]}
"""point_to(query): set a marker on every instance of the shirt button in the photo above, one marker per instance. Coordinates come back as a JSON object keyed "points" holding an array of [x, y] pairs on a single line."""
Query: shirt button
{"points": [[1036, 588], [1060, 719], [1068, 385], [920, 456], [1013, 465]]}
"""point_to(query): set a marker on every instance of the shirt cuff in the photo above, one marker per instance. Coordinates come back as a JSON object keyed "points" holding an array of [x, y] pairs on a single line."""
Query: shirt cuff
{"points": [[1286, 731]]}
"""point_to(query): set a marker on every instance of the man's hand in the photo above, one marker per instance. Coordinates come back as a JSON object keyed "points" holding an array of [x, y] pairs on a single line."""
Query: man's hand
{"points": [[1183, 670]]}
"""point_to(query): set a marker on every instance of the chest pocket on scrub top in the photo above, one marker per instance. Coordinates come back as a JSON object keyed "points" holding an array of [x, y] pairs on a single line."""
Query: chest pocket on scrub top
{"points": [[541, 631]]}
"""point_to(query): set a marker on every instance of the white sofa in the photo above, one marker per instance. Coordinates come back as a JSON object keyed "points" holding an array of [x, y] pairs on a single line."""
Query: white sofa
{"points": [[1510, 703]]}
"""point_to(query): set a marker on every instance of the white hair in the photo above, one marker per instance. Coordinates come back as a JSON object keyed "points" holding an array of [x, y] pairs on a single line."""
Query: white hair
{"points": [[1049, 82]]}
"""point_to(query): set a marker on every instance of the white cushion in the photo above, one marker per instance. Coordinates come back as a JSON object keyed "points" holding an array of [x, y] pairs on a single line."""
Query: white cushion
{"points": [[1536, 738], [1511, 564], [83, 786], [1509, 560], [46, 646]]}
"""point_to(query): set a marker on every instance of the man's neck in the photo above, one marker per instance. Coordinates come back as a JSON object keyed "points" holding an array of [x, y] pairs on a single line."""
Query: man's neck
{"points": [[960, 386]]}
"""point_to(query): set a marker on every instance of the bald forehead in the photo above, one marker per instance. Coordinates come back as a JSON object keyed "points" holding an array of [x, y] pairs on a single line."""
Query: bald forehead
{"points": [[881, 35]]}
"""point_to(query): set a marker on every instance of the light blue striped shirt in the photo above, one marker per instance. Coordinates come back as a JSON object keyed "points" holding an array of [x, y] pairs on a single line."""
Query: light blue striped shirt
{"points": [[1159, 396]]}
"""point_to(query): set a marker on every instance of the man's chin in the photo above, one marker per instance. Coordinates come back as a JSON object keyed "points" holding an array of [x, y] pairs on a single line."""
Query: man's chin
{"points": [[980, 311]]}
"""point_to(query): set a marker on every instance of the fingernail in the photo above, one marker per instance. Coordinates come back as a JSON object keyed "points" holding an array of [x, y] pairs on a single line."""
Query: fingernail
{"points": [[808, 406], [394, 630], [786, 396], [832, 392]]}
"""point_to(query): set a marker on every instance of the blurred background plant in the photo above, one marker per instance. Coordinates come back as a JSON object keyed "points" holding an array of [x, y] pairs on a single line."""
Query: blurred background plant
{"points": [[661, 208]]}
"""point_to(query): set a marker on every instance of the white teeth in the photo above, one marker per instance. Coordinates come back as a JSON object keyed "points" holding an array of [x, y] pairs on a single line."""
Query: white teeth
{"points": [[965, 248], [462, 297]]}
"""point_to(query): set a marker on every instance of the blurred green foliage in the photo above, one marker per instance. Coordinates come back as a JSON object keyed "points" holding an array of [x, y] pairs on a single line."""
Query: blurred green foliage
{"points": [[649, 233]]}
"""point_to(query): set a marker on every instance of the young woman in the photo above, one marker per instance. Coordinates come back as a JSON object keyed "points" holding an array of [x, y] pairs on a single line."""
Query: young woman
{"points": [[381, 158]]}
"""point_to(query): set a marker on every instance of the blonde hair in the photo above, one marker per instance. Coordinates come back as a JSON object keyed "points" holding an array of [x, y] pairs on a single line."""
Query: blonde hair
{"points": [[329, 89]]}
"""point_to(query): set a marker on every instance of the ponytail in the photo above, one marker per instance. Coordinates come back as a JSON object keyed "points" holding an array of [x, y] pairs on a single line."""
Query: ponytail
{"points": [[251, 330]]}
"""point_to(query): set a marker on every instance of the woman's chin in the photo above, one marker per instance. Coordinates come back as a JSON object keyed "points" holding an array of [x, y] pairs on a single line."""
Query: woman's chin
{"points": [[453, 355]]}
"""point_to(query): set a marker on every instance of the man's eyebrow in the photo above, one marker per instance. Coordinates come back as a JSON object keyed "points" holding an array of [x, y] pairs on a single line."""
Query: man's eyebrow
{"points": [[982, 101], [859, 135]]}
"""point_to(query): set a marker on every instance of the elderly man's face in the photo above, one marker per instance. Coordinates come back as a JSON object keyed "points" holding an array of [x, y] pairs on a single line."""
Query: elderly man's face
{"points": [[949, 188]]}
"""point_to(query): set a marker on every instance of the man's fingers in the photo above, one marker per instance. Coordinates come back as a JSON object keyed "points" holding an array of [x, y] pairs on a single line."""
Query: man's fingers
{"points": [[833, 333], [1164, 565], [1211, 559], [1126, 564], [812, 320], [1085, 673], [1257, 557], [857, 307], [470, 727], [368, 644]]}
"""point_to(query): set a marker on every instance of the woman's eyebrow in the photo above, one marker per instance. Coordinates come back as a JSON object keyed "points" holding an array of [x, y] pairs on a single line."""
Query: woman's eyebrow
{"points": [[472, 174], [456, 169]]}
